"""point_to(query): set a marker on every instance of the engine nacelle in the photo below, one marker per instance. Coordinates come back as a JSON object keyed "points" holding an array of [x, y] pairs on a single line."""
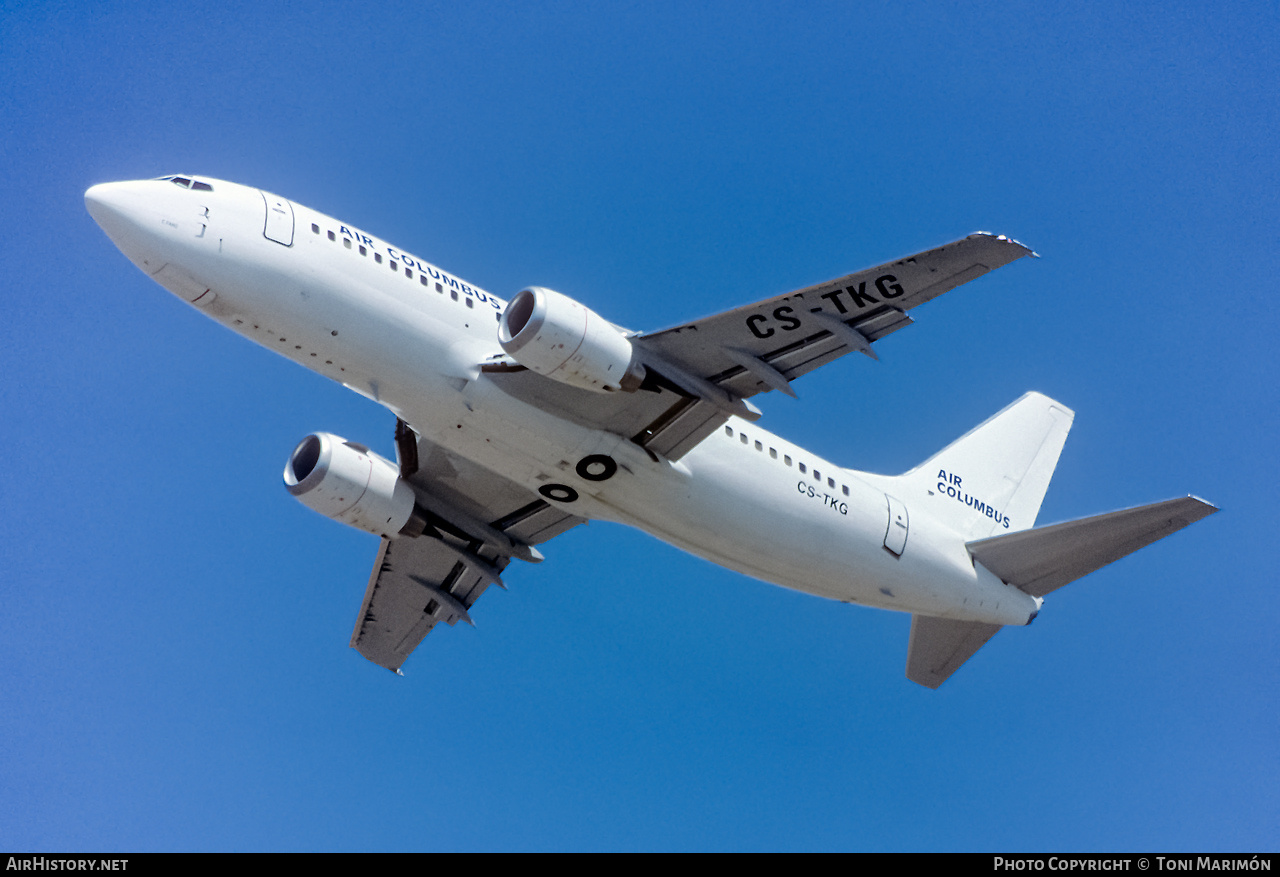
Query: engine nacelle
{"points": [[553, 335], [349, 483]]}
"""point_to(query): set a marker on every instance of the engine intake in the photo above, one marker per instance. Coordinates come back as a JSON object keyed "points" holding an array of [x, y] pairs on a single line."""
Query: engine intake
{"points": [[349, 483], [553, 335]]}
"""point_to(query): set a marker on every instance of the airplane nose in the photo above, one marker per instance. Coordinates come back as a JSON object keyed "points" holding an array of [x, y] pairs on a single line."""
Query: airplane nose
{"points": [[108, 204], [97, 197], [127, 212]]}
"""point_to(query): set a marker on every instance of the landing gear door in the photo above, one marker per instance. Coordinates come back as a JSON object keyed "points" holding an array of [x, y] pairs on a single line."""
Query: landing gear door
{"points": [[895, 535], [279, 223]]}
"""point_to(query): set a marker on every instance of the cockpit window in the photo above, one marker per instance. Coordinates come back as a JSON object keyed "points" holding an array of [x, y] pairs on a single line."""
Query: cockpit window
{"points": [[186, 183]]}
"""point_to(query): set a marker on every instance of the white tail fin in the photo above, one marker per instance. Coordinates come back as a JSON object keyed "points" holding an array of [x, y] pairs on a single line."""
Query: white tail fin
{"points": [[992, 479]]}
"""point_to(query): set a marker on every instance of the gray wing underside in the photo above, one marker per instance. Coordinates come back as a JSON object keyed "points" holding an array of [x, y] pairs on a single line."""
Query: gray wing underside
{"points": [[414, 586], [873, 301], [759, 347], [938, 646], [422, 581], [1044, 559]]}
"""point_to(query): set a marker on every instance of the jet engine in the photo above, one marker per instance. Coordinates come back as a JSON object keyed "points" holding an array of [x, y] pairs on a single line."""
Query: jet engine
{"points": [[349, 483], [553, 335]]}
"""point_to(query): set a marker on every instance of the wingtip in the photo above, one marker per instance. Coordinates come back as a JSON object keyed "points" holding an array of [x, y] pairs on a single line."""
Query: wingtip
{"points": [[1212, 507], [1004, 238]]}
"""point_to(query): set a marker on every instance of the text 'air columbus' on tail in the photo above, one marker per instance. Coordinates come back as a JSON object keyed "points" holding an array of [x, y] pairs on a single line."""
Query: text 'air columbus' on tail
{"points": [[992, 479], [988, 486]]}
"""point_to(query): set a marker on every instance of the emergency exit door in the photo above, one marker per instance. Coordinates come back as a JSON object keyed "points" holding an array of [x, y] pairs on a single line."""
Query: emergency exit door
{"points": [[895, 535]]}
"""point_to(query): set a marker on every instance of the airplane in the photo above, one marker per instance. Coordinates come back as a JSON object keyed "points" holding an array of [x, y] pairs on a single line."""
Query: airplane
{"points": [[518, 420]]}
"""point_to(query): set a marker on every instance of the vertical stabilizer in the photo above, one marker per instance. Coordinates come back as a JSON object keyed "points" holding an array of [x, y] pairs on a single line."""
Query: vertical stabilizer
{"points": [[993, 479]]}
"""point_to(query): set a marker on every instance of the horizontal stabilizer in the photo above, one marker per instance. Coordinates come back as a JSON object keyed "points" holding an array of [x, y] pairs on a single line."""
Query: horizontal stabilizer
{"points": [[939, 646], [1044, 559]]}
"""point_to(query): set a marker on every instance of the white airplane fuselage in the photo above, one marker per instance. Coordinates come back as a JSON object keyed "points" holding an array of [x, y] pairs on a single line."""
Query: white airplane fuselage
{"points": [[411, 337]]}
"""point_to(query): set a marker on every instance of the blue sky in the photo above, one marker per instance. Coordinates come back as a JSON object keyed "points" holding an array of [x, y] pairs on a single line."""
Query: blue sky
{"points": [[174, 635]]}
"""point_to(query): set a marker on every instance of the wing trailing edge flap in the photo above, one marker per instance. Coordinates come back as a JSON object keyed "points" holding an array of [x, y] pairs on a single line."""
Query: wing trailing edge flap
{"points": [[476, 520], [1044, 559], [415, 584]]}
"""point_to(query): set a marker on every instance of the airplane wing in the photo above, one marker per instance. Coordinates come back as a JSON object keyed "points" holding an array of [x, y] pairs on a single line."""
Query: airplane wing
{"points": [[699, 374], [476, 522]]}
